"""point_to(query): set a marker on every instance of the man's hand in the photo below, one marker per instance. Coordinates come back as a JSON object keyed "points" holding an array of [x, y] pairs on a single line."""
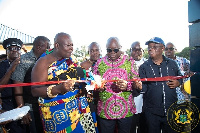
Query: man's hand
{"points": [[189, 73], [26, 119], [122, 84], [138, 85], [14, 64], [67, 86], [173, 83], [101, 89]]}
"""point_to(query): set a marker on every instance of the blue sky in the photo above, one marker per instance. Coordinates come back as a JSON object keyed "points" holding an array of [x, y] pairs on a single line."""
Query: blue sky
{"points": [[97, 20]]}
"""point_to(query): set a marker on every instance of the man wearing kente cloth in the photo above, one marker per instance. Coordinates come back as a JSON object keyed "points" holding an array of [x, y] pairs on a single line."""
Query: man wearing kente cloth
{"points": [[62, 107]]}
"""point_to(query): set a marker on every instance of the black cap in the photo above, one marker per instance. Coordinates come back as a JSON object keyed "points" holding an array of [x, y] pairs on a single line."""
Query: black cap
{"points": [[12, 42]]}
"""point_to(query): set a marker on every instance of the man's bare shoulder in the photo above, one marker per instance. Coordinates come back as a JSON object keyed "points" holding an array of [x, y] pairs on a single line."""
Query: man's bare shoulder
{"points": [[45, 61], [86, 64]]}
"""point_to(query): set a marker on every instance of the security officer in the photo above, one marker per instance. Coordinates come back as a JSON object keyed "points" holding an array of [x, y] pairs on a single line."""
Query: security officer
{"points": [[7, 67]]}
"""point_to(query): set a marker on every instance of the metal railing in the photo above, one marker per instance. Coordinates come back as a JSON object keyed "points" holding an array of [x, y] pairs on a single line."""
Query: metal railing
{"points": [[8, 32]]}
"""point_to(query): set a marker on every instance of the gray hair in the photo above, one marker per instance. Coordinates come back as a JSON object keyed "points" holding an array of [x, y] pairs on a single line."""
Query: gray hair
{"points": [[57, 37], [113, 39], [93, 43], [134, 43], [170, 43]]}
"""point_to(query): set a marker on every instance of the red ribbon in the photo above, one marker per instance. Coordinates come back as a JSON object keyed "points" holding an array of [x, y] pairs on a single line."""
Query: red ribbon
{"points": [[166, 78]]}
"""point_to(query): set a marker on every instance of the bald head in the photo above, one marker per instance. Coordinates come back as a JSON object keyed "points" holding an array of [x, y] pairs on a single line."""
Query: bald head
{"points": [[113, 40], [171, 44], [134, 44], [136, 51], [92, 45], [59, 37]]}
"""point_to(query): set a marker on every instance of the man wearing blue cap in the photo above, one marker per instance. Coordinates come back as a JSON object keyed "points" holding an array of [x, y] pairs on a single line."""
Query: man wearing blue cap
{"points": [[158, 95], [7, 67]]}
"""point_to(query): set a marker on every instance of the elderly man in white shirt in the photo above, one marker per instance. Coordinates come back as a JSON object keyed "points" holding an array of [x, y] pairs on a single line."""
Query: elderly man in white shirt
{"points": [[137, 55]]}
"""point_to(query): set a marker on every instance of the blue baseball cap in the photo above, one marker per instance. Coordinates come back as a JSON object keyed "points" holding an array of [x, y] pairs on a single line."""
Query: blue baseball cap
{"points": [[155, 40]]}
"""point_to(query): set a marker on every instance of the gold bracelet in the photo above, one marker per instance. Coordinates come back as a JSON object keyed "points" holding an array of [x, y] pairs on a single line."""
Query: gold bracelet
{"points": [[49, 94]]}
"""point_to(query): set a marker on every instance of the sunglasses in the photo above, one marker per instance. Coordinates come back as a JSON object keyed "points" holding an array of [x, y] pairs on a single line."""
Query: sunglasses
{"points": [[110, 50], [171, 49], [14, 48]]}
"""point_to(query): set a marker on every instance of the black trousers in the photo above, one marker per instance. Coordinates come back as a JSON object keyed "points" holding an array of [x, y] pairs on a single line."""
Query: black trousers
{"points": [[139, 123], [35, 125], [15, 127], [156, 123], [108, 126]]}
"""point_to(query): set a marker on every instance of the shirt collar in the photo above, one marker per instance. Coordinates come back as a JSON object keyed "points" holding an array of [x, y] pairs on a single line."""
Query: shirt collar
{"points": [[164, 59]]}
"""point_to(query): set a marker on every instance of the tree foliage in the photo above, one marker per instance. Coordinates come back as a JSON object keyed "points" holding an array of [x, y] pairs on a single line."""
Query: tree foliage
{"points": [[145, 54], [184, 53], [81, 53], [128, 52]]}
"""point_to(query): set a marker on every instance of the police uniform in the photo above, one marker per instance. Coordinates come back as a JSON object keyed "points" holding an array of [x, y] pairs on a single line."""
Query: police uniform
{"points": [[7, 94]]}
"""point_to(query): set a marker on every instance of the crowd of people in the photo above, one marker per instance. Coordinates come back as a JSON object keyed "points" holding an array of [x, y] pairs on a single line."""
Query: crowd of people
{"points": [[121, 105]]}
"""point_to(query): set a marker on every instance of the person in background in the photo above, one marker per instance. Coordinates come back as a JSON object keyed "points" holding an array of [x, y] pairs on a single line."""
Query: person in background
{"points": [[7, 67], [63, 109], [184, 66], [3, 57], [183, 63], [138, 118], [22, 74], [116, 104], [158, 95], [94, 52]]}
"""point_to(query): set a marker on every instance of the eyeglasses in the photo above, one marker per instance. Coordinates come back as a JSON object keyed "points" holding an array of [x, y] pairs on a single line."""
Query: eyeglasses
{"points": [[110, 50], [171, 49], [154, 47], [14, 48], [137, 49]]}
